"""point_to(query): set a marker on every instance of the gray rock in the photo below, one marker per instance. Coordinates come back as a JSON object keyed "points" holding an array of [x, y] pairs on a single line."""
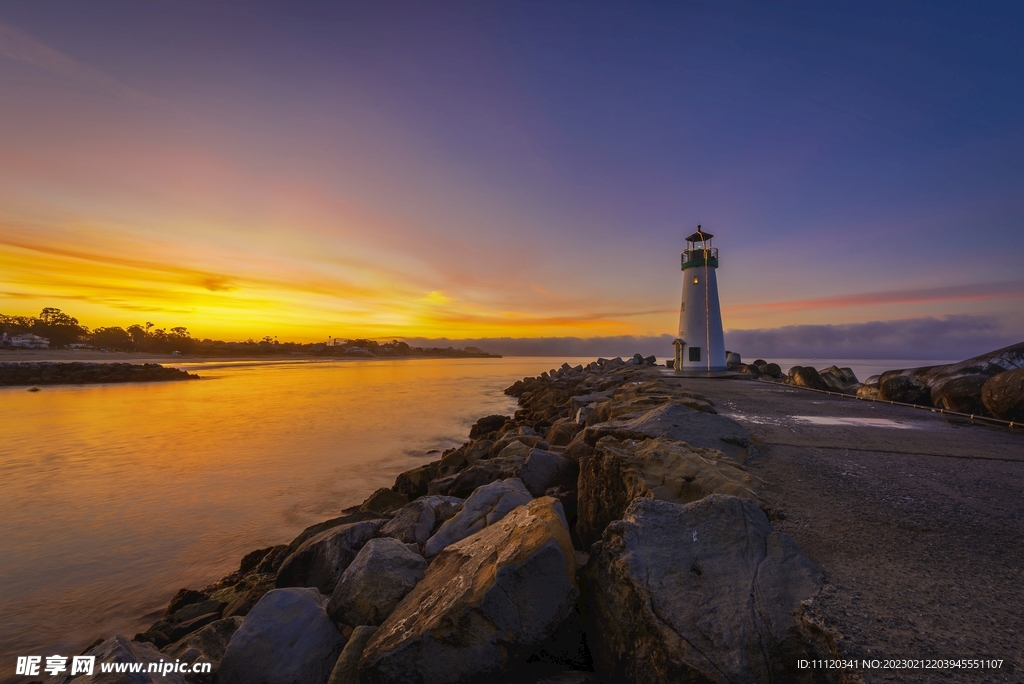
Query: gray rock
{"points": [[904, 389], [562, 432], [485, 506], [351, 516], [320, 560], [985, 365], [346, 670], [287, 638], [868, 391], [485, 604], [620, 471], [417, 521], [119, 649], [961, 394], [1004, 395], [207, 645], [413, 483], [805, 376], [543, 470], [579, 401], [677, 421], [706, 591], [384, 501], [383, 572], [505, 465], [487, 425]]}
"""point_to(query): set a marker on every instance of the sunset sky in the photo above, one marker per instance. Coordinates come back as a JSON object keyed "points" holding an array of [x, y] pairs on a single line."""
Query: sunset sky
{"points": [[476, 170]]}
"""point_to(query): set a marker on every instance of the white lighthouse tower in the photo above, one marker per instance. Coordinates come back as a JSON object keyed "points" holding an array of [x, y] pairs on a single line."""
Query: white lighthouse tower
{"points": [[701, 342]]}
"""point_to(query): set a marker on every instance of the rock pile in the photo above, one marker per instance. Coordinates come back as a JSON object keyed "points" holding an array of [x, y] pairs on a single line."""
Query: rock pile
{"points": [[831, 379], [990, 384], [609, 530], [985, 385], [79, 373]]}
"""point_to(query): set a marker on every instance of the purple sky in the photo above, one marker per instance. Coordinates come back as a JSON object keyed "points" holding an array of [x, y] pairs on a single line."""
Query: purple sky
{"points": [[479, 170]]}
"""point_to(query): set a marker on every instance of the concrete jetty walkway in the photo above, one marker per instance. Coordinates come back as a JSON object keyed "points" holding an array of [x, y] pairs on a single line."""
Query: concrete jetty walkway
{"points": [[916, 519]]}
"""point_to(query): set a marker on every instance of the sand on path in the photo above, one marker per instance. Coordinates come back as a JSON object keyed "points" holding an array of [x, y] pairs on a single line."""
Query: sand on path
{"points": [[916, 520]]}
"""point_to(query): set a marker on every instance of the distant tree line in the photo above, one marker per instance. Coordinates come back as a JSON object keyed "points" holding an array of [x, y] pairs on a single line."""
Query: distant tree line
{"points": [[63, 330]]}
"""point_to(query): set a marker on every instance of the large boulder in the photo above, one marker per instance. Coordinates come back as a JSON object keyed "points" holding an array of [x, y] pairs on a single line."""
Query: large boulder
{"points": [[806, 376], [486, 506], [413, 483], [346, 670], [418, 520], [562, 431], [704, 592], [484, 606], [904, 389], [119, 649], [206, 645], [622, 470], [868, 391], [503, 466], [961, 394], [543, 470], [380, 576], [349, 516], [384, 501], [980, 368], [320, 560], [487, 425], [463, 457], [1003, 395], [185, 620], [674, 420], [287, 638]]}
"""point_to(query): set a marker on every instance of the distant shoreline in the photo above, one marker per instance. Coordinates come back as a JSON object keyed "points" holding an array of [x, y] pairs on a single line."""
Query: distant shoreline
{"points": [[65, 355]]}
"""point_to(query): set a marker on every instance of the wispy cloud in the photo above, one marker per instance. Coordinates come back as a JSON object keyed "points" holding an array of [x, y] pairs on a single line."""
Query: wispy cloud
{"points": [[22, 47], [949, 337], [593, 347], [954, 293]]}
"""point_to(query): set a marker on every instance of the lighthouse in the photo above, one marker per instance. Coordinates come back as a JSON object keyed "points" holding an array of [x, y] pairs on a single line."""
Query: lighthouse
{"points": [[701, 342]]}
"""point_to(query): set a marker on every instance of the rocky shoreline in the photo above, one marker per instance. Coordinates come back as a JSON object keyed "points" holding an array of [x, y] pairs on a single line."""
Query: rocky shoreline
{"points": [[608, 531], [988, 385], [81, 373]]}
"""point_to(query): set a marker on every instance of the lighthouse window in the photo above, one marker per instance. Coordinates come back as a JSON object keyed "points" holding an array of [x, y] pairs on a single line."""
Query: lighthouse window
{"points": [[695, 280], [695, 353]]}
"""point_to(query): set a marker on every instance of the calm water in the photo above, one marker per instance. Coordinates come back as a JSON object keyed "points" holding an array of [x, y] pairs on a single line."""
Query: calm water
{"points": [[114, 496]]}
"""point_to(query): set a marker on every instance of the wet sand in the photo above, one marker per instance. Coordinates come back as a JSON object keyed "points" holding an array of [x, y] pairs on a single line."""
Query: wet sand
{"points": [[915, 519]]}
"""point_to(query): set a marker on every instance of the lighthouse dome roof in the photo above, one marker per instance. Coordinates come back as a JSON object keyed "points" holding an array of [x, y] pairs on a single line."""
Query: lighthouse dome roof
{"points": [[699, 236]]}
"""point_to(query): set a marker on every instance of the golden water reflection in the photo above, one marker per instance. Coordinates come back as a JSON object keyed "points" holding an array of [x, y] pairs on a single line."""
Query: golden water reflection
{"points": [[114, 496]]}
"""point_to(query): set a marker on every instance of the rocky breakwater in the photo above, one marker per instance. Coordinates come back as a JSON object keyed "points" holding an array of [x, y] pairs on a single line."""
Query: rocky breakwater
{"points": [[608, 531], [990, 384], [831, 379], [79, 373]]}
